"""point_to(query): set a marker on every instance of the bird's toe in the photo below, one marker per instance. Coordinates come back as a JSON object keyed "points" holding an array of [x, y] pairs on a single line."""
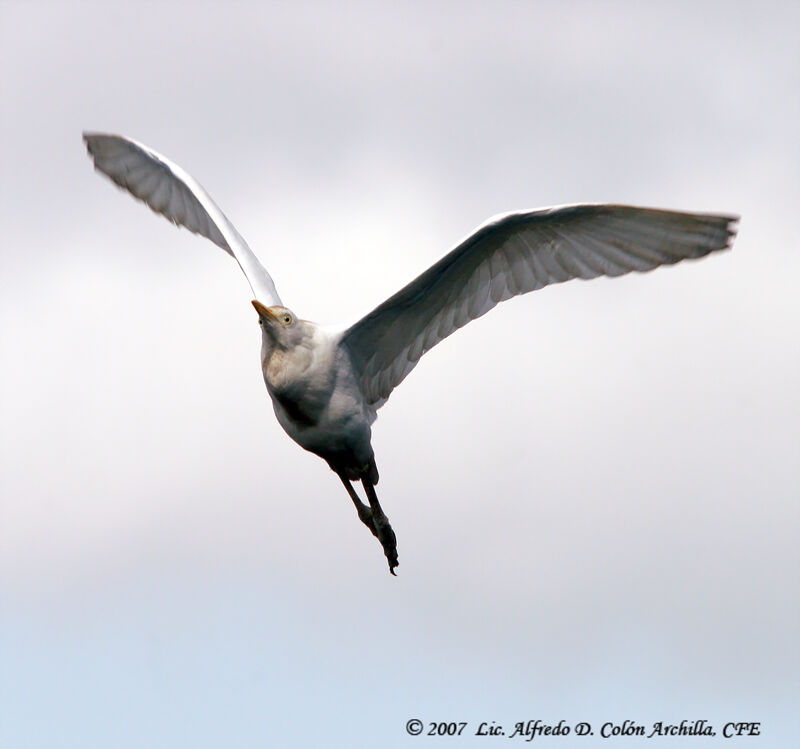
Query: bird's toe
{"points": [[388, 540]]}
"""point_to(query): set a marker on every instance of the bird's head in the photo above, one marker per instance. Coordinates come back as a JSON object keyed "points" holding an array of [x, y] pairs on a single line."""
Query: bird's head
{"points": [[280, 326]]}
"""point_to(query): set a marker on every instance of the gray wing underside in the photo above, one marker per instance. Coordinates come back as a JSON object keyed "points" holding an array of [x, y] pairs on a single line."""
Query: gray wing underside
{"points": [[511, 255], [169, 190]]}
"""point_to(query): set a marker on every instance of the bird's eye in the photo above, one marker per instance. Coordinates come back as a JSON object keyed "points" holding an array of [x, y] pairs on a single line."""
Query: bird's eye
{"points": [[287, 319]]}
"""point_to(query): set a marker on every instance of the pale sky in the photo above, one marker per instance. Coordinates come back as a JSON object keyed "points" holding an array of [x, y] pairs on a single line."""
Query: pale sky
{"points": [[594, 487]]}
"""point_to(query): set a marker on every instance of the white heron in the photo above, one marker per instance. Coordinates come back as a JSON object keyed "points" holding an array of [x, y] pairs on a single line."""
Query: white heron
{"points": [[327, 386]]}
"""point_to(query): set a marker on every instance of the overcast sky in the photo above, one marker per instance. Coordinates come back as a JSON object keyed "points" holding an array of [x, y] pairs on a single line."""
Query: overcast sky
{"points": [[594, 487]]}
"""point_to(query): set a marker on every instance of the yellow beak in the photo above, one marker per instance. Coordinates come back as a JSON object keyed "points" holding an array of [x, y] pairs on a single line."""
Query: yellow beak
{"points": [[264, 311]]}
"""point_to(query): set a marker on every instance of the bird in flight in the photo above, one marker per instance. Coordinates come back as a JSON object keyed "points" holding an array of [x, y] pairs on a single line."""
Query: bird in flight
{"points": [[327, 385]]}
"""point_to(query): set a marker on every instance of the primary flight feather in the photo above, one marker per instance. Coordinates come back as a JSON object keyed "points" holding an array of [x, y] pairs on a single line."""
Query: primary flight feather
{"points": [[327, 386]]}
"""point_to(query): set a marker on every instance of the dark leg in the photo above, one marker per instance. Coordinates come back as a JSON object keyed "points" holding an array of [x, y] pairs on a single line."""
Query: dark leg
{"points": [[383, 529], [374, 519], [364, 512]]}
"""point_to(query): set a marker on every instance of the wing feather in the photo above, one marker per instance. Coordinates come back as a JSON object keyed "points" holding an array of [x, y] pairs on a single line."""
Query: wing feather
{"points": [[169, 190], [512, 255]]}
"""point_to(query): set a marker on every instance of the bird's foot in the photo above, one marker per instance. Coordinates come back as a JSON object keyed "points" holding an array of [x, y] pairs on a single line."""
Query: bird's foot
{"points": [[385, 534], [383, 529], [380, 527], [374, 518]]}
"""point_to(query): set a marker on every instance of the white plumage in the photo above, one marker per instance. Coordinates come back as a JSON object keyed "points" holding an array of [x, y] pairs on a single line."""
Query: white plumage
{"points": [[327, 386]]}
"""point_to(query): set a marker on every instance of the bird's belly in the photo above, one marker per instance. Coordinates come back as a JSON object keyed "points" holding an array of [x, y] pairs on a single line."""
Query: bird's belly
{"points": [[338, 430]]}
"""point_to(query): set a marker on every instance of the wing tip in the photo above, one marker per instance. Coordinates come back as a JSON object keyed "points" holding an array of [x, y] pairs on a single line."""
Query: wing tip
{"points": [[725, 227], [731, 228], [94, 142], [92, 139]]}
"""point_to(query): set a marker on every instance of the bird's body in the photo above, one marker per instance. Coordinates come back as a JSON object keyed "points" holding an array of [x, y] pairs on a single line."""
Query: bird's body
{"points": [[327, 385], [317, 400]]}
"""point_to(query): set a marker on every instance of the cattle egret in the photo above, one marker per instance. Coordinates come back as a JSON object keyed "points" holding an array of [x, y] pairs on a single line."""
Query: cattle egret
{"points": [[327, 385]]}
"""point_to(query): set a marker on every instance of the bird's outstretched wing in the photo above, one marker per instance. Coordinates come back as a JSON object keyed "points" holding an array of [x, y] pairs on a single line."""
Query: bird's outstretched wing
{"points": [[511, 255], [170, 191]]}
